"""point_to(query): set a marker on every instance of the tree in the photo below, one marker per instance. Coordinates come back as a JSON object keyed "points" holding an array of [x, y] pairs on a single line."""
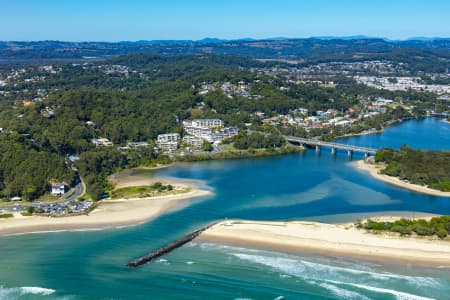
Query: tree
{"points": [[207, 146]]}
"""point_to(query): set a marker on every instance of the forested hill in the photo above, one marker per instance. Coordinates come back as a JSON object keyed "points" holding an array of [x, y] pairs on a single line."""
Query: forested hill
{"points": [[152, 96], [312, 49]]}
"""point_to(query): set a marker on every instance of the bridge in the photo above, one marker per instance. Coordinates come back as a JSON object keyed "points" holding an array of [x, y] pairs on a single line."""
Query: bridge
{"points": [[334, 146], [439, 115]]}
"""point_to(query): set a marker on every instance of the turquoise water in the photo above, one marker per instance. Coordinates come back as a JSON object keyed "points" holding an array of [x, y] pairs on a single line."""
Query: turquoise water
{"points": [[306, 186]]}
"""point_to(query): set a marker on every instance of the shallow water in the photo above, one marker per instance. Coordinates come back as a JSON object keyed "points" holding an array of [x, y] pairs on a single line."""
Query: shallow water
{"points": [[306, 186]]}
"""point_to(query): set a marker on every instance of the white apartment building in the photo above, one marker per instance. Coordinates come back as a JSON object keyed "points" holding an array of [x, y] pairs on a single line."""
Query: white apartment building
{"points": [[220, 135], [200, 132], [193, 141], [207, 123], [168, 142], [168, 137], [211, 130]]}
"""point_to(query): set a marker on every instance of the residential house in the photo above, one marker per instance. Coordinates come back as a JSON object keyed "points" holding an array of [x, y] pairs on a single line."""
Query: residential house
{"points": [[102, 142], [138, 145], [58, 189]]}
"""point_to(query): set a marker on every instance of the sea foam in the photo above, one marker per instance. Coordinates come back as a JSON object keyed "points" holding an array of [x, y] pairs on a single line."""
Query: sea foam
{"points": [[342, 293], [398, 295], [16, 292], [312, 270]]}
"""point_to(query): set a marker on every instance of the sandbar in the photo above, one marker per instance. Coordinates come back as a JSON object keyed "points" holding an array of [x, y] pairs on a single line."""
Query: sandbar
{"points": [[374, 171], [331, 239]]}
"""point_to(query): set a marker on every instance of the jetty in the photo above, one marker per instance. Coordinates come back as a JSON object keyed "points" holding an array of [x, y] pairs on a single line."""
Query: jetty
{"points": [[168, 248]]}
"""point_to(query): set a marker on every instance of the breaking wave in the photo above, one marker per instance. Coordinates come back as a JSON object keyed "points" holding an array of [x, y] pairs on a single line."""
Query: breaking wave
{"points": [[17, 292]]}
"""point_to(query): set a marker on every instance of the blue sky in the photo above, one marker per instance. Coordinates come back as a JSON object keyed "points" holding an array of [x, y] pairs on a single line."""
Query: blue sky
{"points": [[116, 20]]}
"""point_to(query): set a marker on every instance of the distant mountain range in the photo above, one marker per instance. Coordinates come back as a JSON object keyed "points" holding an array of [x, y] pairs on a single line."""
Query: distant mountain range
{"points": [[210, 40], [270, 48]]}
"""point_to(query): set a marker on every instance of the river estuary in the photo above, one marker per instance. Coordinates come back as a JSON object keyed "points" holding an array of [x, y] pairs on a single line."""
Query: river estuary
{"points": [[301, 186]]}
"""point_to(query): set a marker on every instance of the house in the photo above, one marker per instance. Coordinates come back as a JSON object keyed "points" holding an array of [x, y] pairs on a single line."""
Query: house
{"points": [[102, 142], [382, 101], [90, 123], [48, 113], [74, 158], [138, 145], [58, 189], [27, 103]]}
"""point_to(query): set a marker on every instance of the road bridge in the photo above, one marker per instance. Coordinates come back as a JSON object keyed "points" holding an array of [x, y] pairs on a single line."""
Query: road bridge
{"points": [[334, 146]]}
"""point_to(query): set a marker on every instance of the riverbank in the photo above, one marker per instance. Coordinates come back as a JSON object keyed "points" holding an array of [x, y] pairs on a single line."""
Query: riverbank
{"points": [[108, 213], [374, 170], [331, 240], [240, 154]]}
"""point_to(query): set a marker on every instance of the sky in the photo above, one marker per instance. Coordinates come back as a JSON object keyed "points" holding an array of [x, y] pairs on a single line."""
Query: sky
{"points": [[131, 20]]}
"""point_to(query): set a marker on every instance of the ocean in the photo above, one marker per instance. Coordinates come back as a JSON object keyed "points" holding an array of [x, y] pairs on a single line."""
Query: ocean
{"points": [[301, 186]]}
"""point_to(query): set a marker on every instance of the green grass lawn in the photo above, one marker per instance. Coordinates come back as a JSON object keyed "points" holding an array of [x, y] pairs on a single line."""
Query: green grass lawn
{"points": [[156, 189], [6, 216]]}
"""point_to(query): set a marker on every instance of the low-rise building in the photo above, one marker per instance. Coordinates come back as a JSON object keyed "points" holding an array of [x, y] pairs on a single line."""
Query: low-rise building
{"points": [[48, 113], [168, 137], [210, 130], [204, 123], [138, 144], [102, 142], [225, 133], [193, 141], [200, 132], [168, 143], [58, 189]]}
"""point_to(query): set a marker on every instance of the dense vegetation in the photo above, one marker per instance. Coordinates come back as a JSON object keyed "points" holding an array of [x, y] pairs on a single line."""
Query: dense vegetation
{"points": [[26, 170], [257, 140], [154, 98], [439, 226], [431, 168]]}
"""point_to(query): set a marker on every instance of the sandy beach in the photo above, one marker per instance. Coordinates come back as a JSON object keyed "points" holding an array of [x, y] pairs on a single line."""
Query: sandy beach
{"points": [[109, 213], [331, 239], [375, 172]]}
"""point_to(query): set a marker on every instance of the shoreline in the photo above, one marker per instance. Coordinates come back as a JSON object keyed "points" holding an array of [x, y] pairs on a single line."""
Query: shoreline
{"points": [[107, 214], [330, 240], [375, 172]]}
